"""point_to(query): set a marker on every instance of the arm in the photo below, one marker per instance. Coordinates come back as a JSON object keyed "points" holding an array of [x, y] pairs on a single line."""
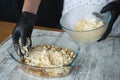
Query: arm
{"points": [[24, 27], [31, 6]]}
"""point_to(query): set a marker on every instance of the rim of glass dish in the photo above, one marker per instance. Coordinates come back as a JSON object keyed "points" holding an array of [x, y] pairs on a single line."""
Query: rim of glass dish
{"points": [[69, 65], [63, 26]]}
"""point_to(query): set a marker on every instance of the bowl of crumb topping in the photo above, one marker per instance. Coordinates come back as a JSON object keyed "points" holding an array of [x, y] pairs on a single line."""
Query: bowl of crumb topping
{"points": [[49, 56], [85, 24]]}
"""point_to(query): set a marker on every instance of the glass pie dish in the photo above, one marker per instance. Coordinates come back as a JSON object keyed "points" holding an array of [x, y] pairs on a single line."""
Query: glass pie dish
{"points": [[57, 71]]}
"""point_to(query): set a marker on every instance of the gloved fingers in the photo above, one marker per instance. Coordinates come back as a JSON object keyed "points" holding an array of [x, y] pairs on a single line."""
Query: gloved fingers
{"points": [[24, 43], [16, 44], [15, 39], [113, 18], [23, 39], [29, 42], [29, 39], [19, 52], [106, 8], [105, 34]]}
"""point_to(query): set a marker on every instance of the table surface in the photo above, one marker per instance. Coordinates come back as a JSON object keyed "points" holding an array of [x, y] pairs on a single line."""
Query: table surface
{"points": [[6, 29], [99, 61]]}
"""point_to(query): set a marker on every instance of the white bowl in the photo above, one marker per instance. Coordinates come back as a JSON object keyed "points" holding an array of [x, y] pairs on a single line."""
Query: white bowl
{"points": [[69, 19]]}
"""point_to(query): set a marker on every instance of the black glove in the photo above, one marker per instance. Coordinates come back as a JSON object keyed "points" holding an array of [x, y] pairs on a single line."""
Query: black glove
{"points": [[23, 30], [114, 8]]}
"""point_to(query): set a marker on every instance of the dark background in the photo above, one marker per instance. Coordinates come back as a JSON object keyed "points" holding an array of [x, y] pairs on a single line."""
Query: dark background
{"points": [[49, 12]]}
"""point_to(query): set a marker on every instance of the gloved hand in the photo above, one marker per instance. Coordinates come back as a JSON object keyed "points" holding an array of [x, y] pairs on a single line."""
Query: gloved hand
{"points": [[22, 31], [114, 8]]}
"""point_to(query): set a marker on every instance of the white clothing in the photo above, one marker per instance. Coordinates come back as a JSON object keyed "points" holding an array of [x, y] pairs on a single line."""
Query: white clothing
{"points": [[98, 4]]}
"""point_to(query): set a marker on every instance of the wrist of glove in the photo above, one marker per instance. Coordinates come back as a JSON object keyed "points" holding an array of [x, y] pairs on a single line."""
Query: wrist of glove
{"points": [[22, 32], [27, 17], [114, 8]]}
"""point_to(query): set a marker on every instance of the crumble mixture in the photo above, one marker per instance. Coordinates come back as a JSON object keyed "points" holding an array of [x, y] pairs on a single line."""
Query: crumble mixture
{"points": [[53, 57], [88, 24]]}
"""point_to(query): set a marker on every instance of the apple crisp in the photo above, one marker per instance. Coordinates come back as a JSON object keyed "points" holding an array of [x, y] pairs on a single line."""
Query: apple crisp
{"points": [[52, 57]]}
